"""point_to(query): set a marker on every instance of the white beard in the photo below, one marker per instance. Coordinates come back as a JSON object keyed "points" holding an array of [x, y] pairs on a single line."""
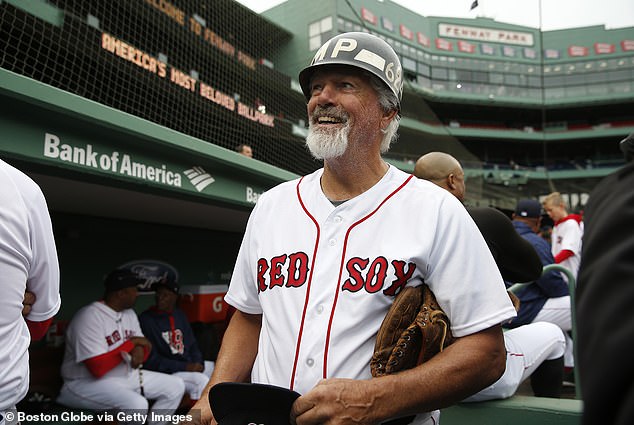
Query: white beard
{"points": [[327, 144]]}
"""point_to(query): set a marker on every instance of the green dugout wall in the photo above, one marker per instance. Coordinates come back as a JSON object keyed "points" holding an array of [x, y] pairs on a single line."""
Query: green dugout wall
{"points": [[121, 188]]}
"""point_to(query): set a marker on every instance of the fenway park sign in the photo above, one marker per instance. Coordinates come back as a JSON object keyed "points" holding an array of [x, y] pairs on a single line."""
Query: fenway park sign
{"points": [[486, 34]]}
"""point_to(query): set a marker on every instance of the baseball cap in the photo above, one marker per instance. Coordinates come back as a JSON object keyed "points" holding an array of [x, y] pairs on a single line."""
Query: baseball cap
{"points": [[121, 279], [237, 403], [528, 208], [169, 281], [153, 273]]}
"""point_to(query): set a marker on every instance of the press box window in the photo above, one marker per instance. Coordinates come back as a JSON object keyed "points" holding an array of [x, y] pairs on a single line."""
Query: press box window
{"points": [[424, 69], [439, 73], [318, 32], [409, 64]]}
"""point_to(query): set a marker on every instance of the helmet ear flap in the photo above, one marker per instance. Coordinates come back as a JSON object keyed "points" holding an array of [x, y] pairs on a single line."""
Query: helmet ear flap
{"points": [[360, 50]]}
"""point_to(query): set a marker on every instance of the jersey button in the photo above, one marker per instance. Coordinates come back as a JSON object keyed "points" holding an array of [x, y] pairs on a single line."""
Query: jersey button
{"points": [[310, 362], [320, 309], [332, 242], [338, 219]]}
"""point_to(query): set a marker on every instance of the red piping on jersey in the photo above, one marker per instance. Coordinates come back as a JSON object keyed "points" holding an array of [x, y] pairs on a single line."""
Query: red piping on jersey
{"points": [[310, 279], [343, 256]]}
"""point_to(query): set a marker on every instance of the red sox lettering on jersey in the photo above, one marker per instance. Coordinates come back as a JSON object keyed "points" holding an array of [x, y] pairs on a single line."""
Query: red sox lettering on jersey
{"points": [[175, 340], [322, 277], [291, 270], [115, 336]]}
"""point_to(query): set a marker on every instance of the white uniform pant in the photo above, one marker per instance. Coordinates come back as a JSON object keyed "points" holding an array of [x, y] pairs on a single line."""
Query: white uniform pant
{"points": [[124, 394], [527, 347], [557, 311], [195, 382]]}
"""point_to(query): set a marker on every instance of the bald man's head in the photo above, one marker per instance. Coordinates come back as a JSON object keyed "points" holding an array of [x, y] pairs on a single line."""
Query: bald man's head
{"points": [[443, 170]]}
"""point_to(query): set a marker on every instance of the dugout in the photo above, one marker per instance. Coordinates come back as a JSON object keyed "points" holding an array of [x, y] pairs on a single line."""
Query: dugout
{"points": [[126, 114], [119, 189]]}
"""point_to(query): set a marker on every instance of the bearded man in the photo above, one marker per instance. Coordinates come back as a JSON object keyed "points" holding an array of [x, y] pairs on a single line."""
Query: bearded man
{"points": [[324, 256]]}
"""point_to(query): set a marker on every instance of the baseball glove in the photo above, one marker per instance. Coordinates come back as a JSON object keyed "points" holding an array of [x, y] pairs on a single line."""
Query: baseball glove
{"points": [[414, 330]]}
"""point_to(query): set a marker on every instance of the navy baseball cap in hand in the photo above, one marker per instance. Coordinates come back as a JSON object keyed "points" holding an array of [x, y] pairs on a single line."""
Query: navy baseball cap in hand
{"points": [[237, 403]]}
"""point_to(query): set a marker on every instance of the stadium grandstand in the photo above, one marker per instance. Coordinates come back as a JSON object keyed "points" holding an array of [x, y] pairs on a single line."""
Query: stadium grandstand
{"points": [[527, 112]]}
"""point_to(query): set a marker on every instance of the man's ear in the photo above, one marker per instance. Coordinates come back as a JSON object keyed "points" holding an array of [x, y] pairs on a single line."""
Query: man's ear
{"points": [[451, 181], [387, 118]]}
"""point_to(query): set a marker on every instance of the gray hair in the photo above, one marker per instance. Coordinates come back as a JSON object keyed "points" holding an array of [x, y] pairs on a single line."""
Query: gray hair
{"points": [[389, 102]]}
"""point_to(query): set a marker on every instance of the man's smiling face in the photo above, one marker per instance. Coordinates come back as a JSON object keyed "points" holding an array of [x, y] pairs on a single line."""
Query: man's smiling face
{"points": [[343, 109]]}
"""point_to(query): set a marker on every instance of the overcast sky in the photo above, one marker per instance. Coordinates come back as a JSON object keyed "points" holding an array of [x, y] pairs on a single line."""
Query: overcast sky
{"points": [[556, 14]]}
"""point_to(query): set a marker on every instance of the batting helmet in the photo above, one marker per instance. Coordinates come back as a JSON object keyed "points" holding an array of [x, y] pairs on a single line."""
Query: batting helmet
{"points": [[361, 50]]}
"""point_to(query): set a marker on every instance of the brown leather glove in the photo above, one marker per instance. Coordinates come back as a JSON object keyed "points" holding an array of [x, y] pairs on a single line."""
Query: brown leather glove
{"points": [[414, 330]]}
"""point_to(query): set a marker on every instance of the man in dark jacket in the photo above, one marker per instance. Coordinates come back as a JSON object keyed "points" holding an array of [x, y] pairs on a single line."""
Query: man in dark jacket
{"points": [[605, 293], [175, 349]]}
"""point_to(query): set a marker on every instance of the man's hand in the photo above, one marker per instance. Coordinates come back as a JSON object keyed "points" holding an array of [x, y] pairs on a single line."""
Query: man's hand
{"points": [[137, 354], [27, 303], [201, 413], [336, 402], [194, 367], [141, 341], [141, 344]]}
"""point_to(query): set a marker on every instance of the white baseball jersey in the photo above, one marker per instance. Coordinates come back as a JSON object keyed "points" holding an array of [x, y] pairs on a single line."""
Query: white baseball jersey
{"points": [[567, 234], [94, 330], [28, 260], [324, 276], [97, 329]]}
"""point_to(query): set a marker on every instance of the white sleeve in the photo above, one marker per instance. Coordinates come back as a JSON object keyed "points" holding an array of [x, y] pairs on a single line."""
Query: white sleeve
{"points": [[43, 278], [43, 272], [463, 274], [88, 335], [243, 288], [571, 234]]}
